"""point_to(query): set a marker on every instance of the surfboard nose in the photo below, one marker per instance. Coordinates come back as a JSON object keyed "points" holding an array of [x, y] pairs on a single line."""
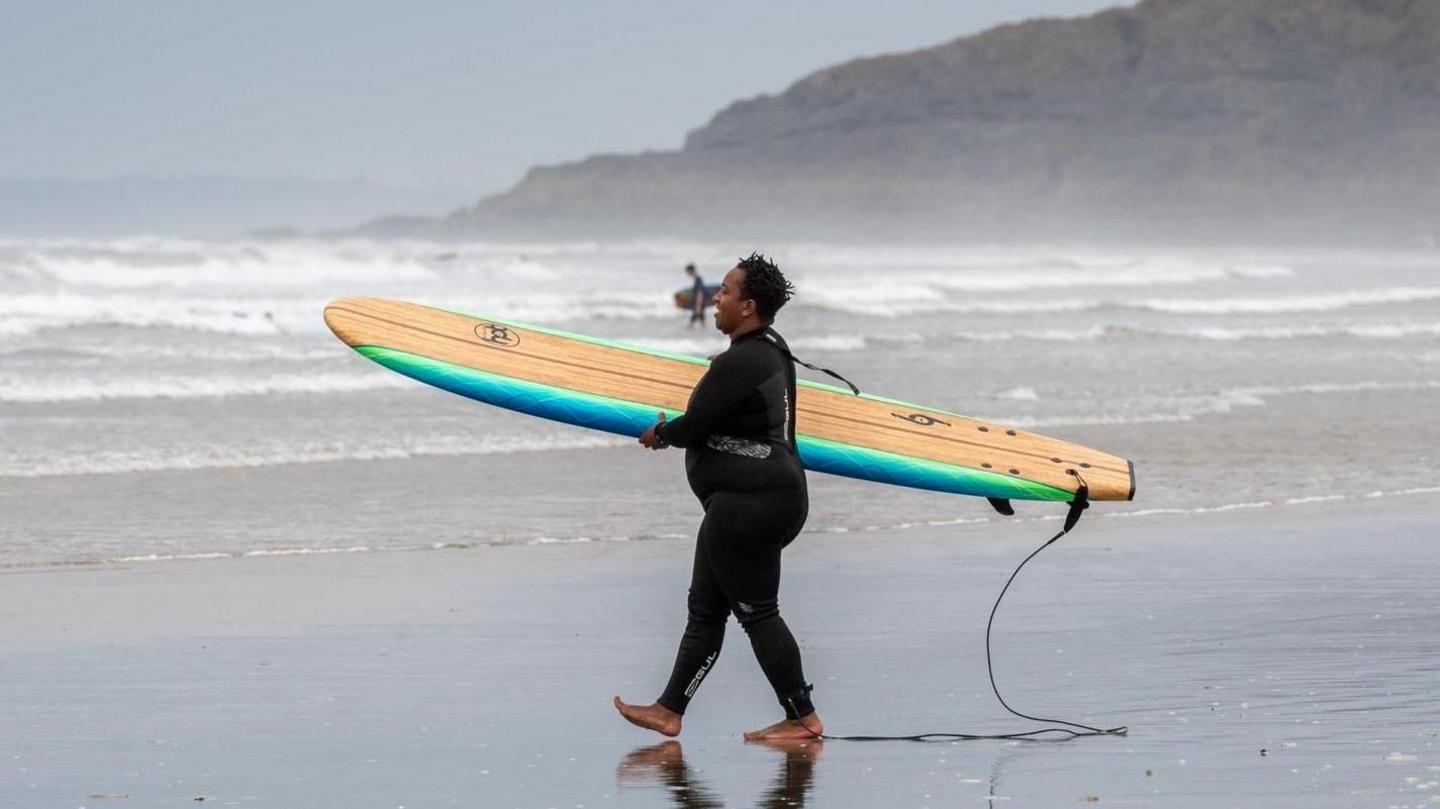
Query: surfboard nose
{"points": [[342, 315]]}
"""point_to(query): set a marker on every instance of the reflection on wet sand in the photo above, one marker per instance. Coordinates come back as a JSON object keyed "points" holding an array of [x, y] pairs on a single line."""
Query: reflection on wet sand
{"points": [[663, 765]]}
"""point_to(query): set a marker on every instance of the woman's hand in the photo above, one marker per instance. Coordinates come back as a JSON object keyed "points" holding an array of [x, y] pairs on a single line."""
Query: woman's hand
{"points": [[650, 439]]}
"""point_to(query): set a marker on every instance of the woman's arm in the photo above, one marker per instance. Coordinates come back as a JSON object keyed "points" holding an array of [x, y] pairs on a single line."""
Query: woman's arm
{"points": [[731, 378]]}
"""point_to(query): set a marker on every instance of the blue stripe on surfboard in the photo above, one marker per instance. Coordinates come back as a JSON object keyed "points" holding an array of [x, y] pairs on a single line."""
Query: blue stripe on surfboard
{"points": [[632, 418]]}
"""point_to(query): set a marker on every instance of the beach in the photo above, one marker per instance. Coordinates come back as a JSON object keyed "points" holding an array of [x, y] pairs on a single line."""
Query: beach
{"points": [[331, 337], [1280, 656], [241, 563]]}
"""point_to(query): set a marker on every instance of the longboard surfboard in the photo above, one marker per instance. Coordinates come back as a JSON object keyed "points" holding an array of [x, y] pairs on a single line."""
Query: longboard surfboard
{"points": [[619, 388]]}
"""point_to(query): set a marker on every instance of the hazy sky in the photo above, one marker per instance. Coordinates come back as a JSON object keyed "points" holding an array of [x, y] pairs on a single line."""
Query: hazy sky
{"points": [[417, 93]]}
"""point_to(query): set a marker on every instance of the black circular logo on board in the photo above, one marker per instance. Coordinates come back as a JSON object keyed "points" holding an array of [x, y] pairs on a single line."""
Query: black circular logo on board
{"points": [[921, 419], [497, 335]]}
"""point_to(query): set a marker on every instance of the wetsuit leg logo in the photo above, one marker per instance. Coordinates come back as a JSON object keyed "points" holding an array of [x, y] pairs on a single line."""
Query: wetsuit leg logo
{"points": [[921, 419], [700, 675], [497, 335]]}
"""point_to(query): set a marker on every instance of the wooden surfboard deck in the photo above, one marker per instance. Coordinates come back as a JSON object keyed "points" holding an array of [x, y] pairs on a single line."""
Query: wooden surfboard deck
{"points": [[619, 388]]}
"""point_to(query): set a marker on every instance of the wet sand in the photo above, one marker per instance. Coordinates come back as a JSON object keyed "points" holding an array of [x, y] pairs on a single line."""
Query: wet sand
{"points": [[1267, 658]]}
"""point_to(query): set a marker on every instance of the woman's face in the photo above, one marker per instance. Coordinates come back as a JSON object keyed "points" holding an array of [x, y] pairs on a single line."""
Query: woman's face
{"points": [[730, 308]]}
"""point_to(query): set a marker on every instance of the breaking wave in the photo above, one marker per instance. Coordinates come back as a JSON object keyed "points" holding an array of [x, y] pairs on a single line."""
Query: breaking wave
{"points": [[101, 463]]}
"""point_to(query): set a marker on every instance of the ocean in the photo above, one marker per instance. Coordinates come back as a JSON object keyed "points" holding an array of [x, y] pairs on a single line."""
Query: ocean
{"points": [[164, 400]]}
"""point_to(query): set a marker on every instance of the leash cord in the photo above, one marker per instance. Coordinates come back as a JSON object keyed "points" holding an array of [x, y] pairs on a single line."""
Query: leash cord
{"points": [[1074, 730]]}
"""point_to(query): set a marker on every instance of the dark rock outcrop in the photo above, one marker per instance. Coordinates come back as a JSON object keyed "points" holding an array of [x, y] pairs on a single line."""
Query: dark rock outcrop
{"points": [[1174, 120]]}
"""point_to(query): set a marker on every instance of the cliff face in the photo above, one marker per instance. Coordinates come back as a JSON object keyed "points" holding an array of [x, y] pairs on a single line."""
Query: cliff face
{"points": [[1197, 120]]}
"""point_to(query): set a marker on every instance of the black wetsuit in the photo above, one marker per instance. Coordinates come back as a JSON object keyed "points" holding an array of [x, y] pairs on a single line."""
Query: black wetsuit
{"points": [[698, 300], [740, 457]]}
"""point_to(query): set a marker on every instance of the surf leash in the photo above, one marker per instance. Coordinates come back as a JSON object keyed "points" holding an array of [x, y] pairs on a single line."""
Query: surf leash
{"points": [[771, 337], [1071, 730]]}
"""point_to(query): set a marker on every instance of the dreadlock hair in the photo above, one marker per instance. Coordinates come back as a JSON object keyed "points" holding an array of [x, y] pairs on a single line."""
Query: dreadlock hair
{"points": [[765, 284]]}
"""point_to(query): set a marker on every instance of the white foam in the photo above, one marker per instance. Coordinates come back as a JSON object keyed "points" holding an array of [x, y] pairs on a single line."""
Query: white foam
{"points": [[248, 350], [1193, 306], [1260, 271], [859, 305], [1264, 504], [910, 301], [829, 342], [260, 553], [541, 307], [1135, 277], [903, 525], [1321, 302], [704, 347], [1042, 335], [1344, 387], [32, 313], [141, 264], [243, 350], [1397, 757], [72, 389], [1319, 498], [1189, 408], [307, 551], [173, 557], [1020, 267], [695, 346], [1392, 331], [53, 464], [1399, 492], [1019, 394]]}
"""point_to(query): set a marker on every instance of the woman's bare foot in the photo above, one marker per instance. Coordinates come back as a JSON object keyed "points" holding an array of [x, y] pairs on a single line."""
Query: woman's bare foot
{"points": [[654, 717], [806, 727]]}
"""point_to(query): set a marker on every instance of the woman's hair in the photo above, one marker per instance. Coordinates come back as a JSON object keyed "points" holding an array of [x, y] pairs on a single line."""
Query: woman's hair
{"points": [[765, 284]]}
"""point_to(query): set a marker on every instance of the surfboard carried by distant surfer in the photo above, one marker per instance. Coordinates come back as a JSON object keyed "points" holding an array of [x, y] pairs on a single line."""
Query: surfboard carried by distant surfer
{"points": [[685, 298]]}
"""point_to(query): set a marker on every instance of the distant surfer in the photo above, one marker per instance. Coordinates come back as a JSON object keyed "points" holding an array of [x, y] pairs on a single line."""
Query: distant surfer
{"points": [[738, 432], [698, 298]]}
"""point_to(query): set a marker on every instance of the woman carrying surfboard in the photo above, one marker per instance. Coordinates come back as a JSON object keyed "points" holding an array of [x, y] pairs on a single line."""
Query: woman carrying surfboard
{"points": [[741, 460]]}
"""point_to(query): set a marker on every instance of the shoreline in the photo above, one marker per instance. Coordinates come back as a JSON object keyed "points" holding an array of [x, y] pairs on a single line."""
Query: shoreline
{"points": [[438, 679], [982, 536], [610, 493], [1105, 511]]}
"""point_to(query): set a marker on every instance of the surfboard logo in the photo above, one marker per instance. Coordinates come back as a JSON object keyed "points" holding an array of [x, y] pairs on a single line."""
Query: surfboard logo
{"points": [[921, 419], [497, 335]]}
